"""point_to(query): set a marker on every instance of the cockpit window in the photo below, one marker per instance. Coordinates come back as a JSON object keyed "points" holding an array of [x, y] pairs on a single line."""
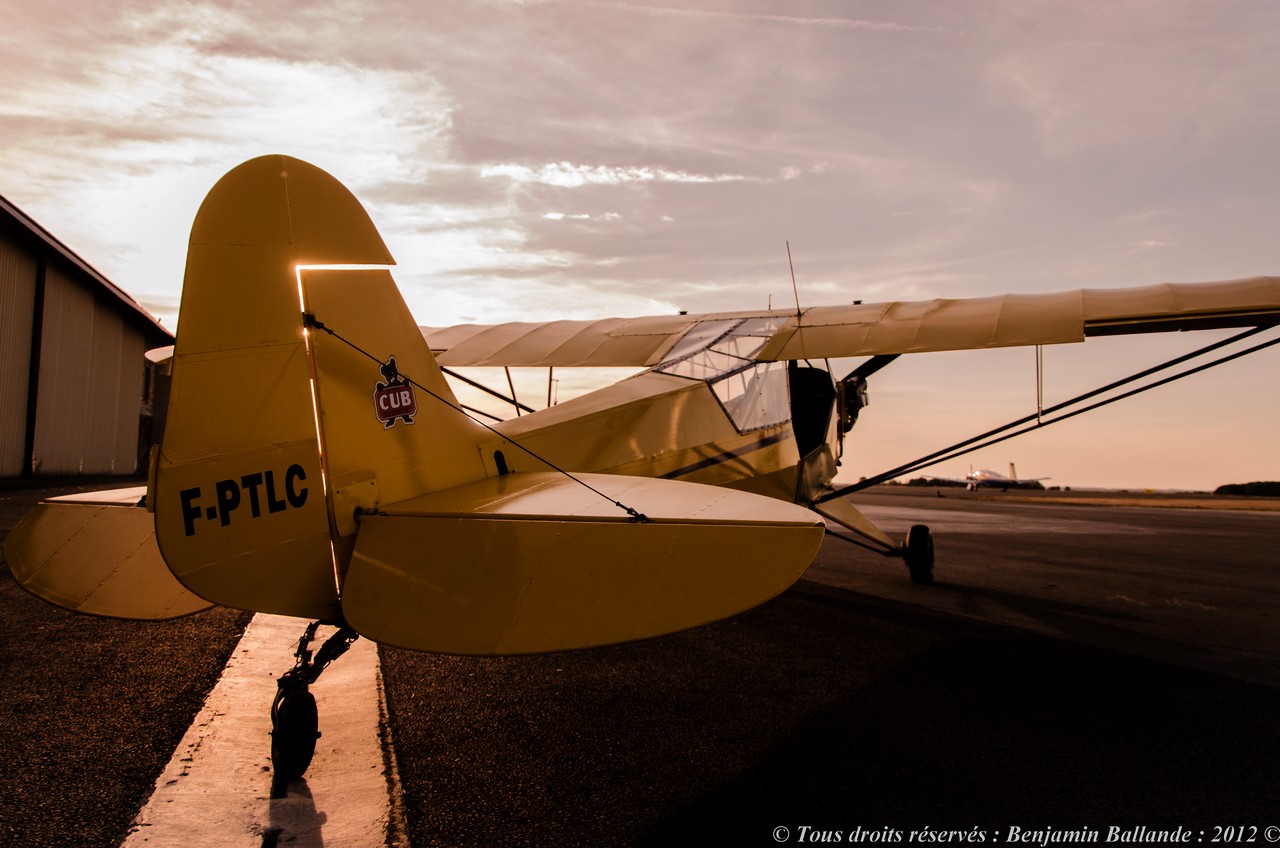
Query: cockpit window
{"points": [[754, 394], [755, 397], [715, 348], [700, 336]]}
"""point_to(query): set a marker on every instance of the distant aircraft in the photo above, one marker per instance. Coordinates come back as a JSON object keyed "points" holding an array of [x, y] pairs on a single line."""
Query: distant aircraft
{"points": [[315, 461], [986, 478]]}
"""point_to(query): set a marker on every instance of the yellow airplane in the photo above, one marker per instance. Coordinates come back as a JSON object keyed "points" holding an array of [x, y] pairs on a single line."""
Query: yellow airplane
{"points": [[316, 463]]}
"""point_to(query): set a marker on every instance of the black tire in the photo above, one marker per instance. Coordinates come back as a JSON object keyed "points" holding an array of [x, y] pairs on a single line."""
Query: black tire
{"points": [[919, 554], [294, 731]]}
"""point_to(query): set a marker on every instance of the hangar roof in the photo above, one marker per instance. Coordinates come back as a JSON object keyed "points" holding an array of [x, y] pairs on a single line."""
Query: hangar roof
{"points": [[19, 222]]}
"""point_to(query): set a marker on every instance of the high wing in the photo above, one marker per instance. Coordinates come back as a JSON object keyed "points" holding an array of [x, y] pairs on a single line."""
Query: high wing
{"points": [[872, 329]]}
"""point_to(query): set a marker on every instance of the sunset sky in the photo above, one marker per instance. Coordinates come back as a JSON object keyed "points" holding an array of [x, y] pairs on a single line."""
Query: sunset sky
{"points": [[536, 160]]}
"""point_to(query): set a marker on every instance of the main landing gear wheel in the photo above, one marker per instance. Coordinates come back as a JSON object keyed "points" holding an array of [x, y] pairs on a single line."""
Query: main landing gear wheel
{"points": [[918, 552]]}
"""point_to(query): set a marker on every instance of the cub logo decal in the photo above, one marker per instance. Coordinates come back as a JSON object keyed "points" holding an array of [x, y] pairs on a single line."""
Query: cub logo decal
{"points": [[394, 400]]}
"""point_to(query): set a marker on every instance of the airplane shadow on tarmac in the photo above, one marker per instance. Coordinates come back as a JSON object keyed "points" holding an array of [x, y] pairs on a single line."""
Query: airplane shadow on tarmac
{"points": [[821, 709], [293, 817], [1107, 628], [988, 731]]}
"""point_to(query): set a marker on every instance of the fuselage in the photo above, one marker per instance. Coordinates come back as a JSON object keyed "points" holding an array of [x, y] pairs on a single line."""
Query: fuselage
{"points": [[708, 413]]}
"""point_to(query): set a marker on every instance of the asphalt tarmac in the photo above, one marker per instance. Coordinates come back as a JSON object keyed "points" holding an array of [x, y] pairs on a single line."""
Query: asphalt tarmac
{"points": [[91, 709], [1191, 586], [1095, 668]]}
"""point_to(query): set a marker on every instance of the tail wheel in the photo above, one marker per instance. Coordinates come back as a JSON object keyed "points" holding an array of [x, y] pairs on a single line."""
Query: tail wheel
{"points": [[294, 731], [918, 552]]}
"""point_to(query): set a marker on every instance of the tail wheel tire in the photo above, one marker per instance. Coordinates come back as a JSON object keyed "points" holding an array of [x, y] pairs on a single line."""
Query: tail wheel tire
{"points": [[294, 731]]}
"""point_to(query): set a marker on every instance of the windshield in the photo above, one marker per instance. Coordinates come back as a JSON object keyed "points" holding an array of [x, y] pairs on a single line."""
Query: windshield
{"points": [[722, 352]]}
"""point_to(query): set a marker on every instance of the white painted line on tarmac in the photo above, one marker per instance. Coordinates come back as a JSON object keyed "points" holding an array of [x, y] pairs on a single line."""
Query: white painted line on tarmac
{"points": [[216, 791]]}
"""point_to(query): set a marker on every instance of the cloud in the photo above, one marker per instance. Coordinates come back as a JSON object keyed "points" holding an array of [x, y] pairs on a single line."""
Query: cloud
{"points": [[120, 149], [567, 175], [748, 17], [582, 216], [556, 159], [1139, 75]]}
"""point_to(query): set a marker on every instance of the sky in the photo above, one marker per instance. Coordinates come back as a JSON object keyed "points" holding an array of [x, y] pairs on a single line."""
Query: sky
{"points": [[543, 159]]}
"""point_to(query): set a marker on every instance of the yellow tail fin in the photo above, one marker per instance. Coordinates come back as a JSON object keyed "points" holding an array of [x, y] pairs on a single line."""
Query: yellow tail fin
{"points": [[241, 512]]}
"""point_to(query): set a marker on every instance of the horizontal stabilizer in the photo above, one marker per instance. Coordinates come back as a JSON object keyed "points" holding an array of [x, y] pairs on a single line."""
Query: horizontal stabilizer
{"points": [[537, 562], [97, 554]]}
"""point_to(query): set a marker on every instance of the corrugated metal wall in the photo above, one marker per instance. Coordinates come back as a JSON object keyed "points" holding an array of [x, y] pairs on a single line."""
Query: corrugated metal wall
{"points": [[91, 369], [17, 302], [79, 407]]}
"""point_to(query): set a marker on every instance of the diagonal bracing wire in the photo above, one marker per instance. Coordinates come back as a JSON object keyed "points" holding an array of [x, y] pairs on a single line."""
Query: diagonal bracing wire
{"points": [[310, 320], [1041, 418]]}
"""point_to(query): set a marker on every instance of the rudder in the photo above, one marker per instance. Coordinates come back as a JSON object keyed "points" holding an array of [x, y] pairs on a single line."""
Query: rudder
{"points": [[390, 425]]}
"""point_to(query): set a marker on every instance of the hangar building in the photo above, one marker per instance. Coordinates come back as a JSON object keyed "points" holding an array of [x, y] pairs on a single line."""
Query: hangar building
{"points": [[77, 395]]}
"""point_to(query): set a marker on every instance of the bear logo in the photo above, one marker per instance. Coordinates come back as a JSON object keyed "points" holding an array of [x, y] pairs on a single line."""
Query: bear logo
{"points": [[394, 400]]}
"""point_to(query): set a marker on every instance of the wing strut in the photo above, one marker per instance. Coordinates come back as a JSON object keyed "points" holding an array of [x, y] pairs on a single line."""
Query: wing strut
{"points": [[872, 365], [1040, 418], [499, 395]]}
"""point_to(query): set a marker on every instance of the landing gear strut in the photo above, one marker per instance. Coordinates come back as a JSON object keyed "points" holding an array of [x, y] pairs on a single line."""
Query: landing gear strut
{"points": [[294, 722], [918, 552]]}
